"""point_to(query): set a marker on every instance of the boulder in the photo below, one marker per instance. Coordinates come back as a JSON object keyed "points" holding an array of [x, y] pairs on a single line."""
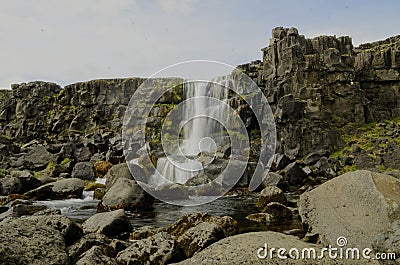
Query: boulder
{"points": [[83, 170], [28, 181], [199, 237], [261, 217], [25, 241], [171, 191], [96, 256], [10, 185], [294, 174], [389, 242], [125, 194], [357, 205], [279, 211], [255, 247], [116, 172], [155, 250], [111, 224], [62, 189], [85, 243], [36, 156], [228, 225], [271, 194], [144, 232]]}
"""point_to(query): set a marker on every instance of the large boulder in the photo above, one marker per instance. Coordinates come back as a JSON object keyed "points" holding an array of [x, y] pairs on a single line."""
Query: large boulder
{"points": [[111, 224], [36, 157], [357, 205], [125, 194], [255, 248], [27, 241], [116, 172], [155, 250], [62, 189], [83, 170]]}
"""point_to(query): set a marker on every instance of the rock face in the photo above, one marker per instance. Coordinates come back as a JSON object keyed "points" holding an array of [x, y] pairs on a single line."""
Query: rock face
{"points": [[357, 205]]}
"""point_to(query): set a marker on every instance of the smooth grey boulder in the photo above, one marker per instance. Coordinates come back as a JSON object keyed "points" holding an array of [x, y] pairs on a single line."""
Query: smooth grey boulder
{"points": [[125, 194], [244, 249], [111, 224], [61, 189], [357, 205], [116, 172]]}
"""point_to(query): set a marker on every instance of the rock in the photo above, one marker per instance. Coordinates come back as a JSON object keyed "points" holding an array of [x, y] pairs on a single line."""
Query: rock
{"points": [[294, 174], [91, 186], [261, 217], [227, 223], [199, 237], [23, 209], [37, 156], [111, 224], [389, 241], [279, 211], [99, 193], [144, 232], [85, 243], [101, 168], [10, 185], [28, 181], [250, 248], [313, 157], [83, 170], [125, 194], [155, 250], [96, 256], [24, 241], [48, 212], [272, 179], [279, 161], [271, 194], [116, 172], [62, 189], [357, 205]]}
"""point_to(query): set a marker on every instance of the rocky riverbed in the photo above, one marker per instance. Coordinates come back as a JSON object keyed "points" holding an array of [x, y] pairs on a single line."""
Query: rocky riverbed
{"points": [[67, 195]]}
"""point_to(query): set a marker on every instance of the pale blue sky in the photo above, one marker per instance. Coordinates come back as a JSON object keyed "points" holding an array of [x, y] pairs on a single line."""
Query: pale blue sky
{"points": [[66, 41]]}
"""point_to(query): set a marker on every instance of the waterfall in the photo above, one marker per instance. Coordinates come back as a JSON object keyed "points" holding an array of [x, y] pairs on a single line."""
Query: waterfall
{"points": [[200, 132]]}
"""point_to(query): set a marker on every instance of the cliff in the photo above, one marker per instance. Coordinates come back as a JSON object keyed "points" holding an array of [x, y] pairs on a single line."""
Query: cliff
{"points": [[320, 90]]}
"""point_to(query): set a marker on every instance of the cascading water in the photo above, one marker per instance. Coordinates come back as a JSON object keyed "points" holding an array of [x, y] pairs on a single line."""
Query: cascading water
{"points": [[200, 132]]}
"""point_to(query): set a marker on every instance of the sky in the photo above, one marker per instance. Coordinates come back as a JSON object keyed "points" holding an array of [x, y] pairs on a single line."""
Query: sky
{"points": [[67, 41]]}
